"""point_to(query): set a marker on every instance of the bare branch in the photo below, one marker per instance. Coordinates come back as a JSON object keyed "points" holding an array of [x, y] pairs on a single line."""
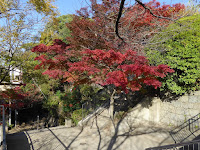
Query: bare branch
{"points": [[150, 11], [145, 7]]}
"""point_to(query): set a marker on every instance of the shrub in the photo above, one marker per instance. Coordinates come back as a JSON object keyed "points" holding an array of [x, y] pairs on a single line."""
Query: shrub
{"points": [[71, 101], [77, 115]]}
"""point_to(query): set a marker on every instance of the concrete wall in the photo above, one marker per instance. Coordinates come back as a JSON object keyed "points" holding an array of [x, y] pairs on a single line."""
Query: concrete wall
{"points": [[172, 113]]}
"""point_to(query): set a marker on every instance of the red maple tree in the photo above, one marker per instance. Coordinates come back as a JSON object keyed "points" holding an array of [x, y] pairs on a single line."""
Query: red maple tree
{"points": [[95, 54], [54, 58], [17, 98], [94, 27], [126, 71]]}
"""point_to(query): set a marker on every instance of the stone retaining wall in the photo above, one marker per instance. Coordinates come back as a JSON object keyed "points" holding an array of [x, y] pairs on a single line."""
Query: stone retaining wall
{"points": [[171, 113]]}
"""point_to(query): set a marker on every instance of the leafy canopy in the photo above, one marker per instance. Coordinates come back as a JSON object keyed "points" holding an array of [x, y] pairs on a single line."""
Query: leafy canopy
{"points": [[13, 7], [127, 71], [178, 46], [95, 28], [56, 29], [18, 19], [20, 97]]}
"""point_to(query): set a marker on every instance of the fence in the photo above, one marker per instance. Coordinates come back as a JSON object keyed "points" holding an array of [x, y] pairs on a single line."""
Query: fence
{"points": [[90, 107], [2, 128], [193, 145], [89, 110], [181, 133], [188, 128]]}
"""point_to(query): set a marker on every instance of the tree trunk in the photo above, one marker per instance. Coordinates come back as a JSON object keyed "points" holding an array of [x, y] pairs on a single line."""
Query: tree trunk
{"points": [[111, 108]]}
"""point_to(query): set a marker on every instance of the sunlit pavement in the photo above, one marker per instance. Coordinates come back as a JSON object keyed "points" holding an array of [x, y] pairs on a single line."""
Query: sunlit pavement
{"points": [[76, 138]]}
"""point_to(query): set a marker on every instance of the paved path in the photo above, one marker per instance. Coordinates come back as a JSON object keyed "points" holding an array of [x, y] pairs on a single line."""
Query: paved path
{"points": [[76, 138], [17, 141]]}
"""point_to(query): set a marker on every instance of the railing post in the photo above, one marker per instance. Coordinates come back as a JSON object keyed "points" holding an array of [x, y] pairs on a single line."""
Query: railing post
{"points": [[82, 114], [16, 113], [189, 124], [172, 137], [3, 130], [38, 122]]}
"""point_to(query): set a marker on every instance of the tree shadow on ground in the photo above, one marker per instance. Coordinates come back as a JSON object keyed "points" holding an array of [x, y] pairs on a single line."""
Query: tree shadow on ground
{"points": [[59, 141], [119, 137], [124, 103], [109, 136], [74, 139]]}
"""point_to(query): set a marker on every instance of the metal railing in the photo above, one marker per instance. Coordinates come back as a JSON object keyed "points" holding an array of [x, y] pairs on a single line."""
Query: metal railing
{"points": [[2, 128], [92, 110], [192, 145], [184, 131], [92, 107], [181, 133]]}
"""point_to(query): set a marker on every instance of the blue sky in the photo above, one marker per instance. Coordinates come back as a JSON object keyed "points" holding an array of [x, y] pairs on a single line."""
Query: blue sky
{"points": [[70, 6]]}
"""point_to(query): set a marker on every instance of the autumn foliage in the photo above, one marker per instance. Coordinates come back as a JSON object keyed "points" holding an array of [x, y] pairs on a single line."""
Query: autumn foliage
{"points": [[54, 58], [105, 57], [95, 29], [127, 71], [95, 55], [18, 98]]}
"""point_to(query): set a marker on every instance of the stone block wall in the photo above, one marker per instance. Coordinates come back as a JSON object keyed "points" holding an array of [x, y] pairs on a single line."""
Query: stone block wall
{"points": [[171, 113], [180, 110]]}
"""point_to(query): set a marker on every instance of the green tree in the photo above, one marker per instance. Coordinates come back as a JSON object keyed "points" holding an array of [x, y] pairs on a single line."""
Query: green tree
{"points": [[178, 46], [56, 29], [15, 7], [49, 89], [17, 29]]}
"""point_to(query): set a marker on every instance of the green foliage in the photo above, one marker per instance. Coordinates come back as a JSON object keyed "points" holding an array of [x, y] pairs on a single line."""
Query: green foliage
{"points": [[179, 47], [77, 115], [71, 101], [18, 32], [76, 96], [92, 92], [9, 126], [56, 29], [61, 120], [28, 70], [88, 92], [53, 101], [11, 52], [119, 115], [2, 74], [43, 6]]}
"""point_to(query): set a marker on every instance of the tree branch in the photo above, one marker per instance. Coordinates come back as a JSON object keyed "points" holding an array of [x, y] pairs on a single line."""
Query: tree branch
{"points": [[150, 11], [118, 18], [144, 6]]}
